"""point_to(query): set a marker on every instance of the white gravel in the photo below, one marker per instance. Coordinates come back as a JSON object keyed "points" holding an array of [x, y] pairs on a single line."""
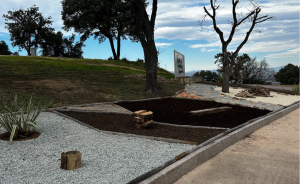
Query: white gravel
{"points": [[106, 158]]}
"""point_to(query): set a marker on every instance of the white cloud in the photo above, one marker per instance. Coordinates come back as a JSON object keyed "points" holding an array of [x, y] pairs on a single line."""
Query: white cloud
{"points": [[183, 33], [271, 46], [163, 44], [288, 54], [207, 50], [213, 44]]}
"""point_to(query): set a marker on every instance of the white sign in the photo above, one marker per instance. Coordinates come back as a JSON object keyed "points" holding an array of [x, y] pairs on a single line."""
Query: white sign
{"points": [[179, 64], [33, 51]]}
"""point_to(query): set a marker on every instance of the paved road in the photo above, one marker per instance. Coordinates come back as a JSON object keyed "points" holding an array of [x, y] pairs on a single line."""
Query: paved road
{"points": [[273, 87], [269, 155]]}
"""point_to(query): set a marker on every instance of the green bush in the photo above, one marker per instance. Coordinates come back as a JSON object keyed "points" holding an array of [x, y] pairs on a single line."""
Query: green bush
{"points": [[140, 60], [19, 125], [110, 58], [124, 59]]}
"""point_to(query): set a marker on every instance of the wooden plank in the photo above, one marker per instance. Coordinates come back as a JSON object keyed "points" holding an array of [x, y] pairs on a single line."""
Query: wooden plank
{"points": [[210, 111], [146, 115], [139, 112]]}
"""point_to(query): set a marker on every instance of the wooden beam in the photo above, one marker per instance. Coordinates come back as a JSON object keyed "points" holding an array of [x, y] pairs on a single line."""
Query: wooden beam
{"points": [[146, 115], [210, 111], [139, 112]]}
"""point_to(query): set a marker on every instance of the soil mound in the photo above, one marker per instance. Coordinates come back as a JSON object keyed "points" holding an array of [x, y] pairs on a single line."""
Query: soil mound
{"points": [[254, 91]]}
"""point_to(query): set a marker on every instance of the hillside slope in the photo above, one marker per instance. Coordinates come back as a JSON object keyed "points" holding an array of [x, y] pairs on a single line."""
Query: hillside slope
{"points": [[65, 81]]}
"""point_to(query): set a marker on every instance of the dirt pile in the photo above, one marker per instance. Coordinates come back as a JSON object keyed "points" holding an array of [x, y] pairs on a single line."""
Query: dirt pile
{"points": [[254, 91]]}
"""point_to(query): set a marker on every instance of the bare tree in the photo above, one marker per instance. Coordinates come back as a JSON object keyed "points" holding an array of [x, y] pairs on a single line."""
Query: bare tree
{"points": [[258, 72], [252, 16]]}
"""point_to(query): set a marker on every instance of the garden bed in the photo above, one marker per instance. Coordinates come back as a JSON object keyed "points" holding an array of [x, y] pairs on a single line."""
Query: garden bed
{"points": [[176, 111], [173, 112], [124, 123]]}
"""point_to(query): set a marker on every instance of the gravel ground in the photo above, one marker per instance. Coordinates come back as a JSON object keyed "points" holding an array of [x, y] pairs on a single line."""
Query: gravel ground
{"points": [[199, 89], [106, 158]]}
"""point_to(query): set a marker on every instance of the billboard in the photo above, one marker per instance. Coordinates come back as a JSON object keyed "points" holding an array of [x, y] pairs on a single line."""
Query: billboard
{"points": [[179, 64]]}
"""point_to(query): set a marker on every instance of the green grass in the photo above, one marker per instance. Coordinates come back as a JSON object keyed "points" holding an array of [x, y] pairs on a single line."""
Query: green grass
{"points": [[64, 81]]}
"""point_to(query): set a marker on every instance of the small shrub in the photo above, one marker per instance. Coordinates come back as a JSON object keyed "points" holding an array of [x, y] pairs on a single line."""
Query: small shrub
{"points": [[140, 60], [19, 125], [110, 58], [15, 54], [296, 89], [124, 59]]}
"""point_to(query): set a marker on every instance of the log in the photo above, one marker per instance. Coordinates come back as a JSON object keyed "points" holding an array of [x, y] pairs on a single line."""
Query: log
{"points": [[210, 111], [71, 160]]}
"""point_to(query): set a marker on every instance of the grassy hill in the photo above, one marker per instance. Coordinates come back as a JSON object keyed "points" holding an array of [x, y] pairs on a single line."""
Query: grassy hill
{"points": [[65, 81]]}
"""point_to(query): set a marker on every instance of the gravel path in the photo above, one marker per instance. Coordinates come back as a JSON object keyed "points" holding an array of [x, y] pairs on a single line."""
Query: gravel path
{"points": [[201, 90], [106, 158]]}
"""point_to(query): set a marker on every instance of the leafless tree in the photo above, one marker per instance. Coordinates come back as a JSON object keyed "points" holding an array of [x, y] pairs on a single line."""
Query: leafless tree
{"points": [[252, 17], [258, 71]]}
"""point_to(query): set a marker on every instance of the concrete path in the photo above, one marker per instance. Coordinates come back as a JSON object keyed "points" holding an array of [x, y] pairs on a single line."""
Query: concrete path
{"points": [[269, 155]]}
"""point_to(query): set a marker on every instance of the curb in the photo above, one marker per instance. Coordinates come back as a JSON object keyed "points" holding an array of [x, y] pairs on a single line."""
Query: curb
{"points": [[91, 111], [174, 169]]}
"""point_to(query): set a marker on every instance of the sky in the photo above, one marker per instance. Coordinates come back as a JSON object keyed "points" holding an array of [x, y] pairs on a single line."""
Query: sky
{"points": [[177, 28]]}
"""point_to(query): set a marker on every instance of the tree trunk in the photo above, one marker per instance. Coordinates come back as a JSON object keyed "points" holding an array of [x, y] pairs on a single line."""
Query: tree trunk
{"points": [[118, 46], [28, 52], [112, 47], [151, 60], [226, 74]]}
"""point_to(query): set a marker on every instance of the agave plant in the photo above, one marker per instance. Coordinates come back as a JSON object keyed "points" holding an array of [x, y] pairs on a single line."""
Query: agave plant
{"points": [[296, 89], [15, 121]]}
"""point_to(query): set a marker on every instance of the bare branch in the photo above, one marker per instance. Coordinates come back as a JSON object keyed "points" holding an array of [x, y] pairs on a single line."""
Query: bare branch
{"points": [[264, 20], [207, 12], [213, 17], [247, 16], [234, 21], [248, 33], [262, 17]]}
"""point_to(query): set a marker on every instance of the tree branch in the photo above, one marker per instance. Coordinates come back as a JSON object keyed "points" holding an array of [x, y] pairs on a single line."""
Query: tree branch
{"points": [[248, 33], [234, 23], [208, 13], [214, 21], [153, 14], [263, 20], [251, 13]]}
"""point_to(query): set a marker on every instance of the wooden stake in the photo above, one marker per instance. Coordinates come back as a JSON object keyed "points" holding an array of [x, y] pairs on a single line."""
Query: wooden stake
{"points": [[71, 160]]}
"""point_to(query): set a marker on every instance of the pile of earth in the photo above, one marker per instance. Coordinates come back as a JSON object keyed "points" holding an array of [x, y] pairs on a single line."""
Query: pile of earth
{"points": [[254, 91]]}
